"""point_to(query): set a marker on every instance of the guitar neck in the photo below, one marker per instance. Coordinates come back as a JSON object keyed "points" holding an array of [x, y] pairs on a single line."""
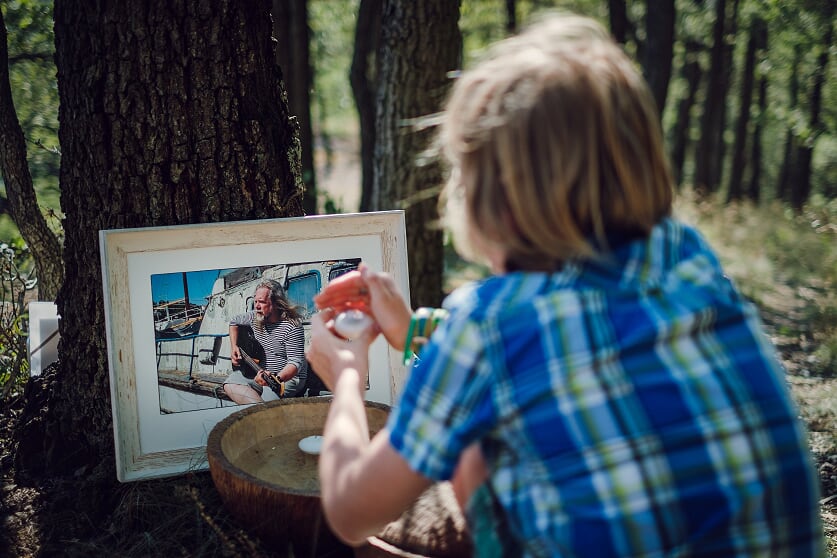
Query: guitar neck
{"points": [[249, 360]]}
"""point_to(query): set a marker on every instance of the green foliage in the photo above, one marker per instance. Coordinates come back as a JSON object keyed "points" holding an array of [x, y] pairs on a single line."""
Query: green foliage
{"points": [[483, 23], [330, 205], [32, 77], [332, 27], [15, 282], [796, 26], [332, 43]]}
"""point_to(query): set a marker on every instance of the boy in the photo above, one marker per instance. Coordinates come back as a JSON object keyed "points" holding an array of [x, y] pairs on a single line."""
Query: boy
{"points": [[607, 387]]}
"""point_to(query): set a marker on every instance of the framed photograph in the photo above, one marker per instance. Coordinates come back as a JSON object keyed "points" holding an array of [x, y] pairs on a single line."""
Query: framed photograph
{"points": [[170, 294]]}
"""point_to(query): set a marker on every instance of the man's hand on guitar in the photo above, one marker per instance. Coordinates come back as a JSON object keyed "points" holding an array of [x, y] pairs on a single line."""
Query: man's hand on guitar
{"points": [[259, 379], [265, 378], [235, 356]]}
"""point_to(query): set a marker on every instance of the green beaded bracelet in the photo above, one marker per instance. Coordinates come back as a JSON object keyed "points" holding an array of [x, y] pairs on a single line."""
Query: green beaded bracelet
{"points": [[423, 323]]}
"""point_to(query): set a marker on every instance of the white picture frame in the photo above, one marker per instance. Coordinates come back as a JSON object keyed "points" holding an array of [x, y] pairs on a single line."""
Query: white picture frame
{"points": [[150, 443]]}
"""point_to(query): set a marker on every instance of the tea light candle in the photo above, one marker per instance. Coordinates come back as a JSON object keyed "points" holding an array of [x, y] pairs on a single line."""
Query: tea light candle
{"points": [[311, 444], [351, 323]]}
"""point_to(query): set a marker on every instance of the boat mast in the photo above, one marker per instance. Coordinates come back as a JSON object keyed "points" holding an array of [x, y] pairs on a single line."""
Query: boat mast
{"points": [[185, 292]]}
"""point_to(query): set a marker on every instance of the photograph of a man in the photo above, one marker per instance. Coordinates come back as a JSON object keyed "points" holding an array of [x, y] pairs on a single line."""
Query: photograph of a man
{"points": [[277, 327]]}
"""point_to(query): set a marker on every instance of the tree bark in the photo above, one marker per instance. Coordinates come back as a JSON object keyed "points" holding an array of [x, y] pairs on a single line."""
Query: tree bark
{"points": [[783, 186], [728, 68], [659, 48], [758, 32], [420, 44], [363, 76], [290, 28], [511, 16], [709, 150], [172, 112], [801, 185], [22, 202], [753, 191], [618, 15], [691, 74]]}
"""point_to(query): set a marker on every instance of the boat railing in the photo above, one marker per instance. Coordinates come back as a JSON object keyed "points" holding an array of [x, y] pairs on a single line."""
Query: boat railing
{"points": [[166, 315], [192, 355]]}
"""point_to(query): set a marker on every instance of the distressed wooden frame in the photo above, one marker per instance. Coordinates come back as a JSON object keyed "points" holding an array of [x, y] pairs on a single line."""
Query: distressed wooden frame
{"points": [[149, 444]]}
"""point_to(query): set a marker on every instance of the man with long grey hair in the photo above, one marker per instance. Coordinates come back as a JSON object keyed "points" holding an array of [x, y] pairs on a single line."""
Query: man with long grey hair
{"points": [[277, 327]]}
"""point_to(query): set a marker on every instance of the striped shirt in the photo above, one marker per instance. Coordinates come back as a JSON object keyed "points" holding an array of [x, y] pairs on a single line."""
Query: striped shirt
{"points": [[626, 407], [282, 341]]}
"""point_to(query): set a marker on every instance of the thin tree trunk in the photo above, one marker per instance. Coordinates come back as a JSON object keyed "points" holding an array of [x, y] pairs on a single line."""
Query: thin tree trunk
{"points": [[618, 15], [692, 74], [783, 186], [20, 192], [805, 150], [711, 133], [754, 189], [420, 44], [511, 16], [659, 48], [728, 67], [290, 28], [363, 76], [758, 30]]}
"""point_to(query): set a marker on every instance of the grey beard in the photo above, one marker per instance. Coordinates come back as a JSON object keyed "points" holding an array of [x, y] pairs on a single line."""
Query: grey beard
{"points": [[258, 322]]}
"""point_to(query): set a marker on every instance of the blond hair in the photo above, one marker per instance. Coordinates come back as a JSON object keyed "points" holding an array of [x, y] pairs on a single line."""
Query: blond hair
{"points": [[556, 148]]}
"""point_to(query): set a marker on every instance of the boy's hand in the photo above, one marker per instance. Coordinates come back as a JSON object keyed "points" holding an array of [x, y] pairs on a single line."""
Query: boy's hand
{"points": [[373, 293], [329, 354], [348, 291]]}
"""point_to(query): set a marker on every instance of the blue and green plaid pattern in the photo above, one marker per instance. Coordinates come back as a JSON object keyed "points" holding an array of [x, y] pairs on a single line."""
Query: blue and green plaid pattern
{"points": [[630, 406]]}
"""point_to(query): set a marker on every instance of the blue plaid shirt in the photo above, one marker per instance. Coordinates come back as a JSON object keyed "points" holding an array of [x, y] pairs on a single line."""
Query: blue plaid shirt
{"points": [[626, 407]]}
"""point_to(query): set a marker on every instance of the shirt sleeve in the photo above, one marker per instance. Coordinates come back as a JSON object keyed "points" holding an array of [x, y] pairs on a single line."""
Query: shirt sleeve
{"points": [[241, 320], [446, 403], [295, 346]]}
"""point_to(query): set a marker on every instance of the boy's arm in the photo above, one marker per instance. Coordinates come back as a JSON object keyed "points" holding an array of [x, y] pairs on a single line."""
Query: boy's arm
{"points": [[365, 484]]}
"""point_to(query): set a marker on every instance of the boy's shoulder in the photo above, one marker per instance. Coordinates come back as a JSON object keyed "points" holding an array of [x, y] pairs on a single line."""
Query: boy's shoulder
{"points": [[497, 294], [672, 249]]}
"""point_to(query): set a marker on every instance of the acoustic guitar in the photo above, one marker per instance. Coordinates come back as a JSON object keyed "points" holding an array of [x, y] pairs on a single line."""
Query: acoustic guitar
{"points": [[273, 381], [248, 345]]}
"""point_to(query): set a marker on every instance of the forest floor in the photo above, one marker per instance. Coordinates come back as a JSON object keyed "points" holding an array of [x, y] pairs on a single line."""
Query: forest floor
{"points": [[184, 516]]}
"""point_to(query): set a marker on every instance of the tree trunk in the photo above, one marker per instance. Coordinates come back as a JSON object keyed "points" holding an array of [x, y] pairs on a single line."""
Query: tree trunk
{"points": [[659, 48], [420, 44], [363, 76], [783, 186], [708, 150], [172, 112], [692, 74], [728, 66], [511, 16], [754, 189], [290, 28], [619, 25], [758, 32], [801, 186], [20, 192]]}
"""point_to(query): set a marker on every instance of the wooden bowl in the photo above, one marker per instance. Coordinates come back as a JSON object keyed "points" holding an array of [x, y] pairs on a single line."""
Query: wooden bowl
{"points": [[270, 485]]}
